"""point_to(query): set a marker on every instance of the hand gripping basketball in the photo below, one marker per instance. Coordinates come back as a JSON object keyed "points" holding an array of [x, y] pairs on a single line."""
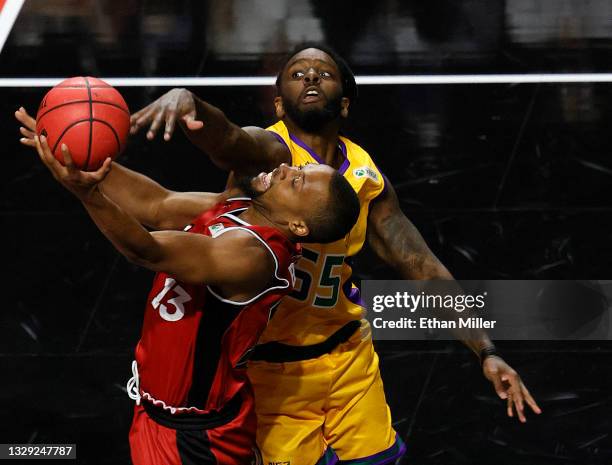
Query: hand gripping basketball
{"points": [[80, 183]]}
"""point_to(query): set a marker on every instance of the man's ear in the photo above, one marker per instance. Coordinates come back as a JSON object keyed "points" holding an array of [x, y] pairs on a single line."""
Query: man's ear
{"points": [[344, 107], [299, 228], [278, 107]]}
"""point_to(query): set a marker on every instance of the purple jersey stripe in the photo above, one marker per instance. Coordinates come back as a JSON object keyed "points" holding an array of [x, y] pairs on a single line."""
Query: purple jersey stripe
{"points": [[352, 293], [307, 148], [313, 154], [346, 162], [328, 458], [280, 139], [385, 181], [385, 457]]}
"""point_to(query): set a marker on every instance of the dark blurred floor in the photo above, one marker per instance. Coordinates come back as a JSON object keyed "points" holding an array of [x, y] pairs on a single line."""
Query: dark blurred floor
{"points": [[504, 181], [441, 405]]}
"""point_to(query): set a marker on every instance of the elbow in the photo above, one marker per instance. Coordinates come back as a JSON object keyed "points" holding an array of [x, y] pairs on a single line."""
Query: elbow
{"points": [[167, 225], [437, 270], [423, 268], [137, 259], [146, 257]]}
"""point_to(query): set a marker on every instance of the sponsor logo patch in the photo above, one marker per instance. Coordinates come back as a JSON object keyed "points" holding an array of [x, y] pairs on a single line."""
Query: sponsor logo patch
{"points": [[366, 172], [215, 228]]}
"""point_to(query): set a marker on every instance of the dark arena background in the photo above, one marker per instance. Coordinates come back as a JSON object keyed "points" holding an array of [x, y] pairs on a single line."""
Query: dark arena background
{"points": [[506, 175]]}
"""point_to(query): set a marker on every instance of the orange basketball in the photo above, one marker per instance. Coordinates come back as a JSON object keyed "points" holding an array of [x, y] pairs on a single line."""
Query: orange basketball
{"points": [[89, 116]]}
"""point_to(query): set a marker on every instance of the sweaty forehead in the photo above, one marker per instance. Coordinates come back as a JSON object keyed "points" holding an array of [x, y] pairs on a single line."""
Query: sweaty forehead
{"points": [[322, 171], [317, 177], [314, 55]]}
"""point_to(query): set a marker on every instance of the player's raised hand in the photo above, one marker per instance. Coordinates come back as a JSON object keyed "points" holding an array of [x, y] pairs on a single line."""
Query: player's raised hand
{"points": [[80, 183], [175, 105], [27, 128], [509, 387]]}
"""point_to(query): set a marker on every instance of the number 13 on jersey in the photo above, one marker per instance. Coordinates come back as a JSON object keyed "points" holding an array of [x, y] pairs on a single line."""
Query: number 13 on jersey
{"points": [[178, 309], [326, 279]]}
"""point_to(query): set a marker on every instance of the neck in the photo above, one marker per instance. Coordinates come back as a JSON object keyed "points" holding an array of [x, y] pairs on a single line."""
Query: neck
{"points": [[259, 215], [324, 142]]}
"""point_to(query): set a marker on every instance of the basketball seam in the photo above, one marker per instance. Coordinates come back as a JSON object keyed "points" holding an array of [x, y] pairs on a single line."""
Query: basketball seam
{"points": [[114, 132], [83, 101], [66, 130], [82, 121], [90, 126]]}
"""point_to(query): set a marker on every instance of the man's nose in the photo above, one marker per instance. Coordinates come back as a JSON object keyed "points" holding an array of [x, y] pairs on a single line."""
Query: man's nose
{"points": [[283, 170], [311, 77]]}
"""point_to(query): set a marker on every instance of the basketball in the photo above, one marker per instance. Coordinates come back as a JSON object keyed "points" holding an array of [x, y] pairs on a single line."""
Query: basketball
{"points": [[89, 116]]}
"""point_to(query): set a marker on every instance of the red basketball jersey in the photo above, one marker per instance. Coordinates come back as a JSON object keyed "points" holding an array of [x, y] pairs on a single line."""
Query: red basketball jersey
{"points": [[194, 343]]}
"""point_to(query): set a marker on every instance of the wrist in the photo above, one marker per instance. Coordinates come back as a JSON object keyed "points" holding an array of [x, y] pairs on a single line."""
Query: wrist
{"points": [[92, 197], [486, 352]]}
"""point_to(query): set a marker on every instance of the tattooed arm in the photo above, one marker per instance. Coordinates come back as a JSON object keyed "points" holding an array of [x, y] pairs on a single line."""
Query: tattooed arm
{"points": [[399, 244]]}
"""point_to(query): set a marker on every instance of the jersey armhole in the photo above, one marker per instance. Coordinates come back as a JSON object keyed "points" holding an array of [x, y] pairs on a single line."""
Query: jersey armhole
{"points": [[384, 189], [283, 283]]}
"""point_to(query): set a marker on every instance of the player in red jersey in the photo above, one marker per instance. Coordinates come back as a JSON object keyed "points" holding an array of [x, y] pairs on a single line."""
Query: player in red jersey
{"points": [[218, 281]]}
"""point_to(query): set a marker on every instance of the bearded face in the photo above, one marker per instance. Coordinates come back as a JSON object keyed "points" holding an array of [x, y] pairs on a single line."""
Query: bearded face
{"points": [[312, 118], [310, 91]]}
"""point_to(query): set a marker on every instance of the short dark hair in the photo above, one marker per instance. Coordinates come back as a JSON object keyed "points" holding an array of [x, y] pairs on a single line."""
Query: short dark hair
{"points": [[349, 86], [337, 216]]}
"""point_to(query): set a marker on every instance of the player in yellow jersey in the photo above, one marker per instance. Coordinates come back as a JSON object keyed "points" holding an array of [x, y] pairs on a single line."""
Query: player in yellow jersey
{"points": [[319, 395]]}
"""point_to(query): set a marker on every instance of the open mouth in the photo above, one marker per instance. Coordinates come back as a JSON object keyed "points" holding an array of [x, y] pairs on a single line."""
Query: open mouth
{"points": [[265, 180], [311, 95]]}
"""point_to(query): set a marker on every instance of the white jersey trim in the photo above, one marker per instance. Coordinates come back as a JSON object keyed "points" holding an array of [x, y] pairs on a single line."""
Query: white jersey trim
{"points": [[235, 218], [173, 410], [238, 198], [278, 278], [134, 392]]}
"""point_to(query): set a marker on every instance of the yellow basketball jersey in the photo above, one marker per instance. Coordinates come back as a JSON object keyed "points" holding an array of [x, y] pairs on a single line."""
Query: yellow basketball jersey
{"points": [[324, 298]]}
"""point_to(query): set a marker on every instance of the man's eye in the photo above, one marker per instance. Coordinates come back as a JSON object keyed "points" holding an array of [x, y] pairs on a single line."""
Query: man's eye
{"points": [[325, 74], [297, 74]]}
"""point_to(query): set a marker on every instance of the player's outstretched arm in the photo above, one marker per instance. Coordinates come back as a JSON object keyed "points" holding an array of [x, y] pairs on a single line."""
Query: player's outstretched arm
{"points": [[398, 243], [141, 197], [152, 204], [236, 262], [244, 150]]}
